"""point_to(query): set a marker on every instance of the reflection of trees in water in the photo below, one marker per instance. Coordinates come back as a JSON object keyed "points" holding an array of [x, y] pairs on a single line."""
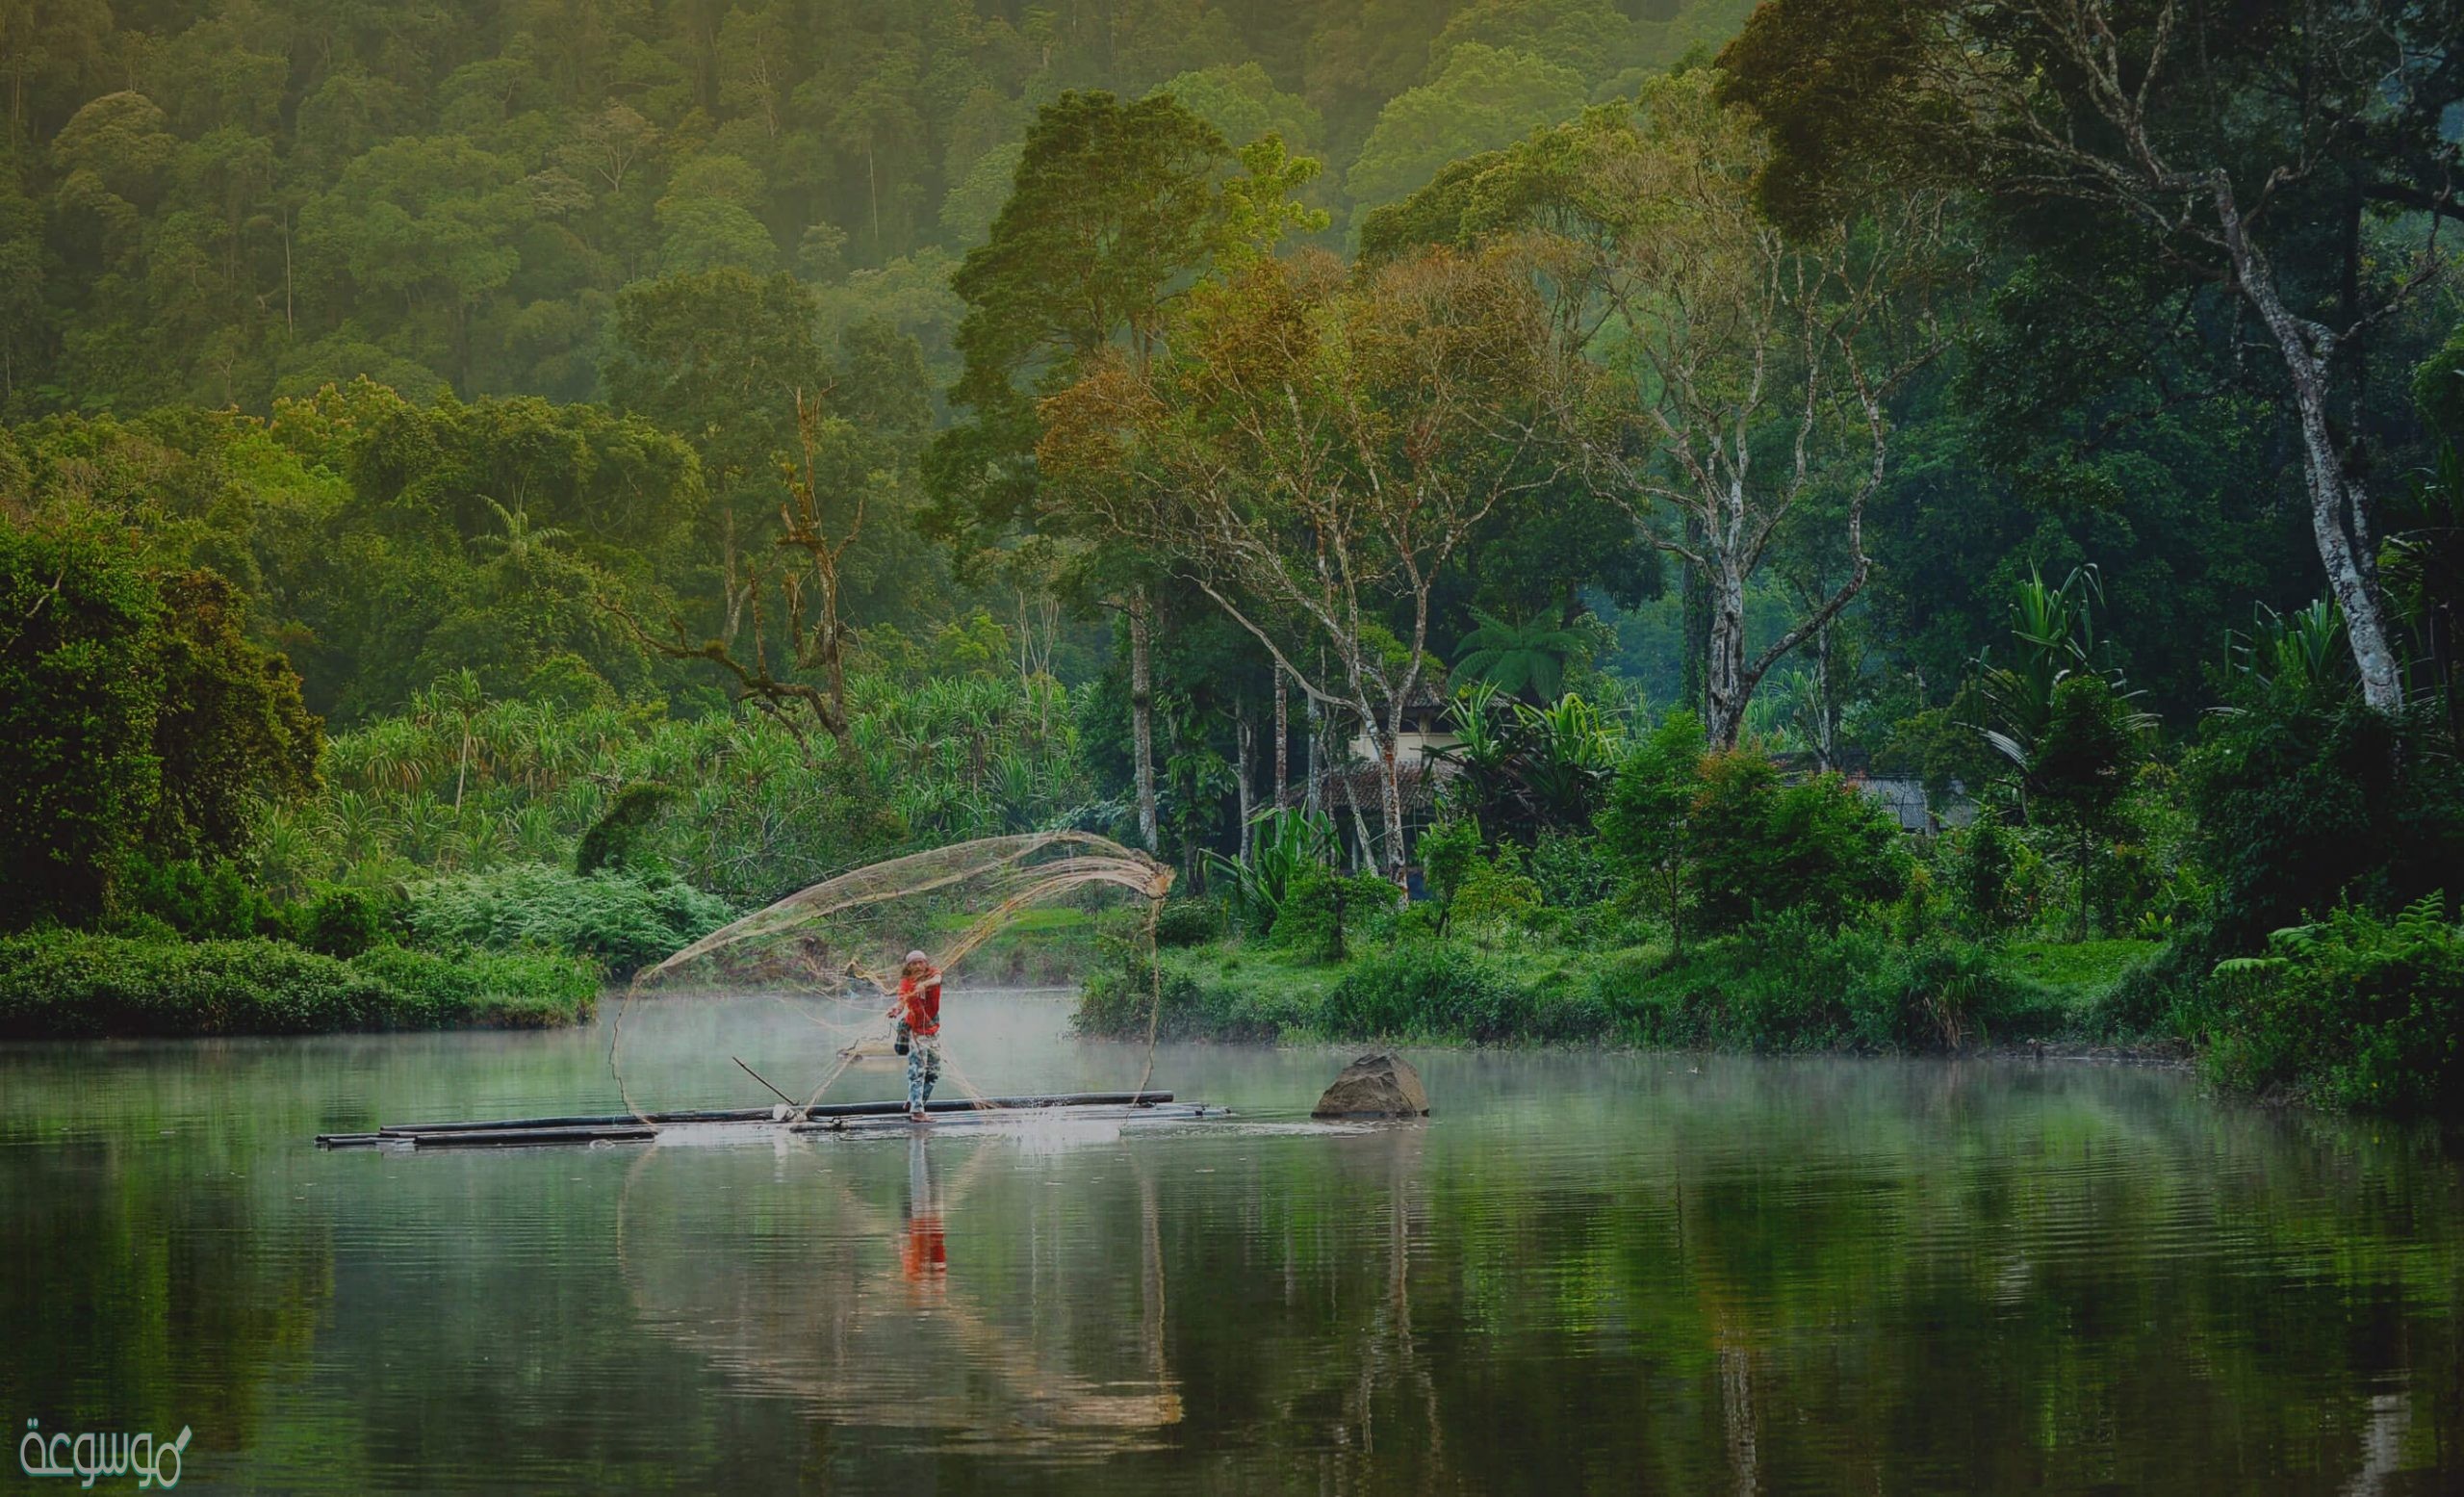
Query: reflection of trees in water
{"points": [[139, 1283], [838, 1305], [1952, 1277]]}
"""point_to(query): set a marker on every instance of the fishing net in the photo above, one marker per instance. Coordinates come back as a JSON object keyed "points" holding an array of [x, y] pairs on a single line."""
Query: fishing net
{"points": [[995, 910]]}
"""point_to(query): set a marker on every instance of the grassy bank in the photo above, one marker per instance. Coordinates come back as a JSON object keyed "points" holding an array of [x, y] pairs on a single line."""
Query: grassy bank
{"points": [[78, 985], [1782, 985]]}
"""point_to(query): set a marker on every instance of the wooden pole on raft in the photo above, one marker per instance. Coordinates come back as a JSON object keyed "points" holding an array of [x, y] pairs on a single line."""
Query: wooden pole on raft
{"points": [[757, 1077]]}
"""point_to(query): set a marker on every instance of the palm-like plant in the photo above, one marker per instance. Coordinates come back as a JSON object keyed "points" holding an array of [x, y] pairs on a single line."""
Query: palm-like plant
{"points": [[1570, 750], [2304, 650], [1529, 768], [2053, 635], [2067, 727], [1285, 842], [520, 538], [1529, 659]]}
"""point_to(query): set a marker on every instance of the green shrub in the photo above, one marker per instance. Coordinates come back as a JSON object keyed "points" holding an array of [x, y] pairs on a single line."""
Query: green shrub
{"points": [[2357, 1011], [1761, 847], [2304, 804], [622, 922], [1321, 907], [1792, 983], [1495, 891], [520, 990], [613, 841], [1284, 844], [1571, 871], [1189, 922], [64, 984], [345, 922], [202, 901], [1118, 997], [1436, 990], [1982, 865], [1447, 854]]}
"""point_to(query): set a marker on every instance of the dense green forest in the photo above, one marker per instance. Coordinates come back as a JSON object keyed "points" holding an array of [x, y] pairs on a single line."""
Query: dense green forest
{"points": [[516, 484], [224, 204]]}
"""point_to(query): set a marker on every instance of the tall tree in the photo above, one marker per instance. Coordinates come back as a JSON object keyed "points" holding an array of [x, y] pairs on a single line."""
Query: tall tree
{"points": [[1114, 209], [2214, 140], [1314, 455], [1724, 383]]}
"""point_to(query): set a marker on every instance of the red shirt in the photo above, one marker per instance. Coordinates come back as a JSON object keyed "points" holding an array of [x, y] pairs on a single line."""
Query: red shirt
{"points": [[920, 1003], [926, 1251]]}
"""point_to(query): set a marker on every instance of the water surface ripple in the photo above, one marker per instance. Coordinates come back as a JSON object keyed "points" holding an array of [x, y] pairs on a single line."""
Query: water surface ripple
{"points": [[1588, 1271]]}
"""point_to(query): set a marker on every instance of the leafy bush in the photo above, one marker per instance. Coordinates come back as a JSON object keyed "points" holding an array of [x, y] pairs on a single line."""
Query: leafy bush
{"points": [[1760, 848], [1118, 997], [1447, 853], [1572, 872], [201, 901], [2158, 998], [345, 922], [613, 841], [62, 984], [1435, 990], [2305, 804], [1320, 907], [1495, 891], [521, 990], [1793, 983], [1646, 827], [2356, 1011], [622, 922], [1983, 864], [1285, 843], [1189, 922]]}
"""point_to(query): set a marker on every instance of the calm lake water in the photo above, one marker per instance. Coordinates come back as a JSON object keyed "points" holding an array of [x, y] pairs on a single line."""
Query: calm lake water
{"points": [[1588, 1272]]}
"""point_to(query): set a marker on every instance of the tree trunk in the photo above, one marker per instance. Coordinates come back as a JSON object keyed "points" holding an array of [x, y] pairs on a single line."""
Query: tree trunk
{"points": [[1390, 795], [1694, 609], [873, 192], [1363, 844], [2336, 501], [1826, 726], [1725, 688], [1142, 719], [1243, 735], [1313, 789], [1282, 736]]}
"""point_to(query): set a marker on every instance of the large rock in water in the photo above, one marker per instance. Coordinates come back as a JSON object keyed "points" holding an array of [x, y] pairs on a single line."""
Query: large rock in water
{"points": [[1382, 1085]]}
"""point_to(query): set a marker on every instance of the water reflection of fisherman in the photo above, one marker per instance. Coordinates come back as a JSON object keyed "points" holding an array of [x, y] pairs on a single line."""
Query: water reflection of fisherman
{"points": [[923, 1255]]}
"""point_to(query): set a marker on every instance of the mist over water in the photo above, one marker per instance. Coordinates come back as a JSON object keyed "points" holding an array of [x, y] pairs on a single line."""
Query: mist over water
{"points": [[1587, 1271]]}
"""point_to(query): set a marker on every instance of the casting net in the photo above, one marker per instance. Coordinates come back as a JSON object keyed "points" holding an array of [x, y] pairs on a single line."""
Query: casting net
{"points": [[997, 911]]}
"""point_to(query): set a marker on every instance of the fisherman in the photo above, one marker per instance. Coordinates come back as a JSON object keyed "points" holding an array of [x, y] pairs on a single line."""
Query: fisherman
{"points": [[918, 1011]]}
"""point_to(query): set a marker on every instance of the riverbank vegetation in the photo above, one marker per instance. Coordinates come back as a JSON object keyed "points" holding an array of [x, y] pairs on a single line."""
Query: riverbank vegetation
{"points": [[1781, 527]]}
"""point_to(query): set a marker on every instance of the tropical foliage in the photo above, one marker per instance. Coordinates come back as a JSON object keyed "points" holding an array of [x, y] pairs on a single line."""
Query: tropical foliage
{"points": [[471, 496]]}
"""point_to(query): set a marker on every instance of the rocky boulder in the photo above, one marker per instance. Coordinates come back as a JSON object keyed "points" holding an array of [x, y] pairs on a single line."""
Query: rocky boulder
{"points": [[1381, 1085]]}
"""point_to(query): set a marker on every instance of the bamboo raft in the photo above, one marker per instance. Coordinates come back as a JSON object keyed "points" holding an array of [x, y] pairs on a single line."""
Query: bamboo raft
{"points": [[826, 1117]]}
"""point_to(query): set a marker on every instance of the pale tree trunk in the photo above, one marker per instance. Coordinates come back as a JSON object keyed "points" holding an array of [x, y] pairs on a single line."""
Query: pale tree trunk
{"points": [[1364, 846], [1282, 736], [1825, 706], [1244, 738], [1313, 789], [1141, 718], [2339, 515], [1726, 689], [1390, 795]]}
